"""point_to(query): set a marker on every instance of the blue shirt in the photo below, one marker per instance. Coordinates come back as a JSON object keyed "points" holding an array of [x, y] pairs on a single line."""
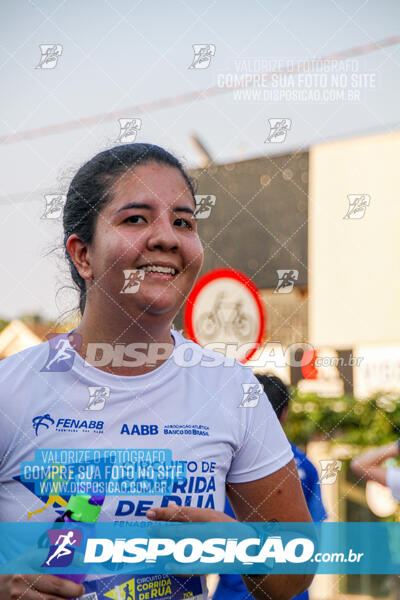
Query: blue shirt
{"points": [[231, 587]]}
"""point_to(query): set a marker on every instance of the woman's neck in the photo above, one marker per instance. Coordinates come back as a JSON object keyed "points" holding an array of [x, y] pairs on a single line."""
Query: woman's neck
{"points": [[98, 337]]}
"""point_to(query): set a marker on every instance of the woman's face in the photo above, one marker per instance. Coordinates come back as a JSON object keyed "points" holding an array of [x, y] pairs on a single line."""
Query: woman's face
{"points": [[148, 223]]}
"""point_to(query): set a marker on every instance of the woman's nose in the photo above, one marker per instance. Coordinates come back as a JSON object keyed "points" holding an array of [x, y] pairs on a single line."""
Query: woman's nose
{"points": [[162, 235]]}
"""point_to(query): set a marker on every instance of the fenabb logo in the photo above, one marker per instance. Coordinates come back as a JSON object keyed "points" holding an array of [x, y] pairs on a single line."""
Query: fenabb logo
{"points": [[42, 421], [64, 424], [192, 550]]}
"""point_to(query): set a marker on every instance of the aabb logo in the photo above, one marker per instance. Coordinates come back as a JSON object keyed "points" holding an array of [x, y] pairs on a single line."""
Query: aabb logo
{"points": [[139, 429]]}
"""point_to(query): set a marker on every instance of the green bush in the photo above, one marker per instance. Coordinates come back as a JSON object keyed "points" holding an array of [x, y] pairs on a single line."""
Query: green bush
{"points": [[371, 422]]}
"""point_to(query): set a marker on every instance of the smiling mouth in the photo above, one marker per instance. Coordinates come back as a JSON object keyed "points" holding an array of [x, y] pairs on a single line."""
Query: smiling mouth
{"points": [[159, 270]]}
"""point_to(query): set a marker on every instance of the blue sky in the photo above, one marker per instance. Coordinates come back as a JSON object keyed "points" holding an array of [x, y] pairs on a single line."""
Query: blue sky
{"points": [[120, 54]]}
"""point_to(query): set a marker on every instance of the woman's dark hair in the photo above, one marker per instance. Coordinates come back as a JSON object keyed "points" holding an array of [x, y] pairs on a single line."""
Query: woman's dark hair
{"points": [[277, 392], [92, 188]]}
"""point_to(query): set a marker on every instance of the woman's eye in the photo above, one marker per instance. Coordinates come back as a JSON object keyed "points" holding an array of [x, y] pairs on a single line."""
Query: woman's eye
{"points": [[134, 219], [183, 222]]}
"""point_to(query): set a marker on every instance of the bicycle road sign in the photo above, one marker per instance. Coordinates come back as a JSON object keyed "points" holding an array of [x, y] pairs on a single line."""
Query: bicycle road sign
{"points": [[225, 308]]}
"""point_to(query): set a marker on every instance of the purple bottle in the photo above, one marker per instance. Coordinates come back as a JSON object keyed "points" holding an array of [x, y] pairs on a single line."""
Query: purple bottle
{"points": [[81, 509]]}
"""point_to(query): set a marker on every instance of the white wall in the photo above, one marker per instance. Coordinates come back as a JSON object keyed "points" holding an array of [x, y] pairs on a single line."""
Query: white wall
{"points": [[354, 264]]}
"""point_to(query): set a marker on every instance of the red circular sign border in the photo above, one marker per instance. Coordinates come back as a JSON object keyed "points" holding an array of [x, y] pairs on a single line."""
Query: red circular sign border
{"points": [[218, 274]]}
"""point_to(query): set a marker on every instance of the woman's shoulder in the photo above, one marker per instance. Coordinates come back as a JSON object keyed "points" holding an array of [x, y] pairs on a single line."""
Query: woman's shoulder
{"points": [[20, 365]]}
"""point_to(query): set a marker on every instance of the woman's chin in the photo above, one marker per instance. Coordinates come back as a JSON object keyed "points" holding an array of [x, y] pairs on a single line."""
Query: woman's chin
{"points": [[157, 305]]}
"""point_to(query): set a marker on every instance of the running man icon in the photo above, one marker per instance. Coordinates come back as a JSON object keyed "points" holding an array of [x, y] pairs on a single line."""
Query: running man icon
{"points": [[62, 349], [62, 353], [128, 592], [63, 541]]}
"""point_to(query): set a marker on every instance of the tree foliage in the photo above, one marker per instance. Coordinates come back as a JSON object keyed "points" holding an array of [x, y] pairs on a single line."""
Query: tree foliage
{"points": [[371, 422]]}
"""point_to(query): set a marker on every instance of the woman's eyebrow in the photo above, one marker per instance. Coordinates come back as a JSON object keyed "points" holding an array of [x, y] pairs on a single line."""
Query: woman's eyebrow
{"points": [[142, 205], [185, 209], [134, 205]]}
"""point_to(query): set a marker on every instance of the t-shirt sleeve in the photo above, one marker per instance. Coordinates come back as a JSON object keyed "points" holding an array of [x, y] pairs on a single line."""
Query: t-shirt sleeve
{"points": [[263, 447], [10, 408], [393, 482]]}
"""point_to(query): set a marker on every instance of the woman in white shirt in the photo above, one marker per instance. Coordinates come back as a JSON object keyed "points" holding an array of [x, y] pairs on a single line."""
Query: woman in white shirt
{"points": [[131, 241]]}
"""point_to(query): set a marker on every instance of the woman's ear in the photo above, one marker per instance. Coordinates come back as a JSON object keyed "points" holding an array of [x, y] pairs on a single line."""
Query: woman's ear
{"points": [[78, 252]]}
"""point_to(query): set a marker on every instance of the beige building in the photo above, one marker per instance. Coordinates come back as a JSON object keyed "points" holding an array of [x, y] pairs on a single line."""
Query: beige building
{"points": [[354, 263]]}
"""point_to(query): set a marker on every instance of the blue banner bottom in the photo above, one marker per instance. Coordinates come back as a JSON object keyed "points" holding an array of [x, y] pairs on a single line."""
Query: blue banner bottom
{"points": [[199, 548]]}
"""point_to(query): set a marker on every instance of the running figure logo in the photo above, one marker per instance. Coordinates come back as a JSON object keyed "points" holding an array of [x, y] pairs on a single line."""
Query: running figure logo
{"points": [[50, 55], [128, 129], [132, 281], [124, 591], [51, 487], [357, 206], [204, 204], [203, 54], [278, 129], [54, 206], [286, 279], [97, 397], [329, 470], [128, 594], [60, 553], [251, 395], [61, 354]]}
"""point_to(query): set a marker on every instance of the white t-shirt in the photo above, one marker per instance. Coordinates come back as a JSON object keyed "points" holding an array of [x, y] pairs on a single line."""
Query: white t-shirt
{"points": [[393, 482], [200, 418]]}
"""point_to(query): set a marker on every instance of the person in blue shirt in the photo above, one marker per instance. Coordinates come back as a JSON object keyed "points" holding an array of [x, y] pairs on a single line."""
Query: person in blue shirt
{"points": [[231, 587]]}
